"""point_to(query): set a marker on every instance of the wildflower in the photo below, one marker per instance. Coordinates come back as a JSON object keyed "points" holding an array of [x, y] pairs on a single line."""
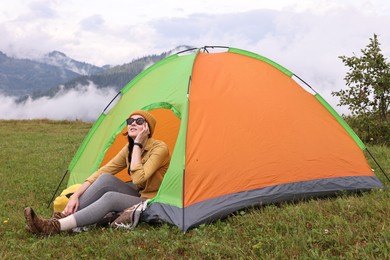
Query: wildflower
{"points": [[6, 221], [326, 231]]}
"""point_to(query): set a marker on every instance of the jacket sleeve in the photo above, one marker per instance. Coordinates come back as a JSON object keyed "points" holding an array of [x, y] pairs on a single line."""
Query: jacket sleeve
{"points": [[143, 171], [118, 163]]}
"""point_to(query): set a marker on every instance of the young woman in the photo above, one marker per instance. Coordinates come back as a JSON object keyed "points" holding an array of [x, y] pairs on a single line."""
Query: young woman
{"points": [[146, 159]]}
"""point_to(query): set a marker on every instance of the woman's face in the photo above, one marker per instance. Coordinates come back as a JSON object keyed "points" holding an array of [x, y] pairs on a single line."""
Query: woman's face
{"points": [[135, 124]]}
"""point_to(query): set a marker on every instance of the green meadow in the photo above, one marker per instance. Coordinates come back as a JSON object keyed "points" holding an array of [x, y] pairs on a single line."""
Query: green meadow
{"points": [[35, 154]]}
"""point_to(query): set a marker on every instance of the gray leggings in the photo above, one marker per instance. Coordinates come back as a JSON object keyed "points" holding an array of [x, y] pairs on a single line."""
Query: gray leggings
{"points": [[106, 194]]}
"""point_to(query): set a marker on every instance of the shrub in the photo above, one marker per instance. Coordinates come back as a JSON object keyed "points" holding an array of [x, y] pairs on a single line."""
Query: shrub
{"points": [[370, 129]]}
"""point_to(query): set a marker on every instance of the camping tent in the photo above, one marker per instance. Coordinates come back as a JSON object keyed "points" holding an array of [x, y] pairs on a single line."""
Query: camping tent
{"points": [[242, 131]]}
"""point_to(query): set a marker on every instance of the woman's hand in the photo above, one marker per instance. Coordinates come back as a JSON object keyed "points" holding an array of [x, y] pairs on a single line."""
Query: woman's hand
{"points": [[143, 135], [72, 206], [141, 138], [73, 203]]}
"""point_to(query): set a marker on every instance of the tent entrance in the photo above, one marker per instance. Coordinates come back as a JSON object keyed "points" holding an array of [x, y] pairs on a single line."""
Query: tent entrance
{"points": [[167, 128]]}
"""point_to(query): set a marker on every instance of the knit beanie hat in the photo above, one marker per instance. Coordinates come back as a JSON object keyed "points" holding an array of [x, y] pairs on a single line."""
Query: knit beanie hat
{"points": [[148, 117]]}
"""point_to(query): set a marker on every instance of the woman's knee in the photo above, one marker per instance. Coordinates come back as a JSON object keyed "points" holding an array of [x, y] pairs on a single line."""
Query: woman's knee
{"points": [[103, 184], [106, 178]]}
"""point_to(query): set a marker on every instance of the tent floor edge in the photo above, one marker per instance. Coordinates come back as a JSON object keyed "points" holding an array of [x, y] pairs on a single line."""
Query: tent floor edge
{"points": [[217, 208]]}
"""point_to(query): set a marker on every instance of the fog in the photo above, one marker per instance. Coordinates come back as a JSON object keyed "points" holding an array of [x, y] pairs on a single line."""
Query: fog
{"points": [[84, 103]]}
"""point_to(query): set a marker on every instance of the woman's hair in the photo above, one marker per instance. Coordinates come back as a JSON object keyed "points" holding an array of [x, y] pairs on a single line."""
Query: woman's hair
{"points": [[131, 145]]}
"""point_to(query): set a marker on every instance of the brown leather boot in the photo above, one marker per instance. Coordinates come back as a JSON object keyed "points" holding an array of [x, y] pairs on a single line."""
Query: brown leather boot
{"points": [[58, 215], [29, 214], [41, 226]]}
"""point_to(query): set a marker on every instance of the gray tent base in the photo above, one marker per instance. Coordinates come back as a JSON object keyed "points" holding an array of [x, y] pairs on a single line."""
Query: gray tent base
{"points": [[217, 208]]}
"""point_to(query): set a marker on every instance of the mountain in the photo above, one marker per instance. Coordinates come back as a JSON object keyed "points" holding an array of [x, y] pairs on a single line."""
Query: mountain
{"points": [[26, 77], [55, 71], [116, 76], [60, 60], [23, 76]]}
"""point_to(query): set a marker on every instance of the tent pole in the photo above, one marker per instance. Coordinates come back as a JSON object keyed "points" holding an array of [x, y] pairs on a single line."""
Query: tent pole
{"points": [[117, 94], [377, 164], [304, 82], [54, 194]]}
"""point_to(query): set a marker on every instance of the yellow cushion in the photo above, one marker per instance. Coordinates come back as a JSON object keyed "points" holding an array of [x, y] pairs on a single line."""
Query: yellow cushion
{"points": [[61, 201]]}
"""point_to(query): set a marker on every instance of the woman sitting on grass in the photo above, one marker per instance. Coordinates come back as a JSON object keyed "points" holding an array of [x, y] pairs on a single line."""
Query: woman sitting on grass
{"points": [[146, 159]]}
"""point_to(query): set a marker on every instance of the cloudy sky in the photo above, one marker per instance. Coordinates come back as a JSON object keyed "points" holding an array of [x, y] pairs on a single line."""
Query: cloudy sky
{"points": [[305, 36]]}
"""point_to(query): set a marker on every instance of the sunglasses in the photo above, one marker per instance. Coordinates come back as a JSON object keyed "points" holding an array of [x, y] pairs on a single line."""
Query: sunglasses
{"points": [[138, 121]]}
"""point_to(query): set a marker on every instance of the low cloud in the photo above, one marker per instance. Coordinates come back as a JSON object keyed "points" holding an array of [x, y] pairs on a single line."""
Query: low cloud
{"points": [[83, 103]]}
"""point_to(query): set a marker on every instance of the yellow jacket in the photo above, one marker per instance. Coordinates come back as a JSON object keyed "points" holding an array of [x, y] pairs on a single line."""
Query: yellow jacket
{"points": [[148, 175]]}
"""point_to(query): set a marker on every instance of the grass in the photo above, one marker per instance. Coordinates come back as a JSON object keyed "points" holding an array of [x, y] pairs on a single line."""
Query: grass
{"points": [[35, 154]]}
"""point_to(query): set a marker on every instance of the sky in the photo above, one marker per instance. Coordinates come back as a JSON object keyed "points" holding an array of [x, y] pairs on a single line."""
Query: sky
{"points": [[305, 36]]}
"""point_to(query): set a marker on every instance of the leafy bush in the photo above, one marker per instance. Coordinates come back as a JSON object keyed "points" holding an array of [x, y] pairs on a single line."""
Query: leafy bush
{"points": [[370, 129]]}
